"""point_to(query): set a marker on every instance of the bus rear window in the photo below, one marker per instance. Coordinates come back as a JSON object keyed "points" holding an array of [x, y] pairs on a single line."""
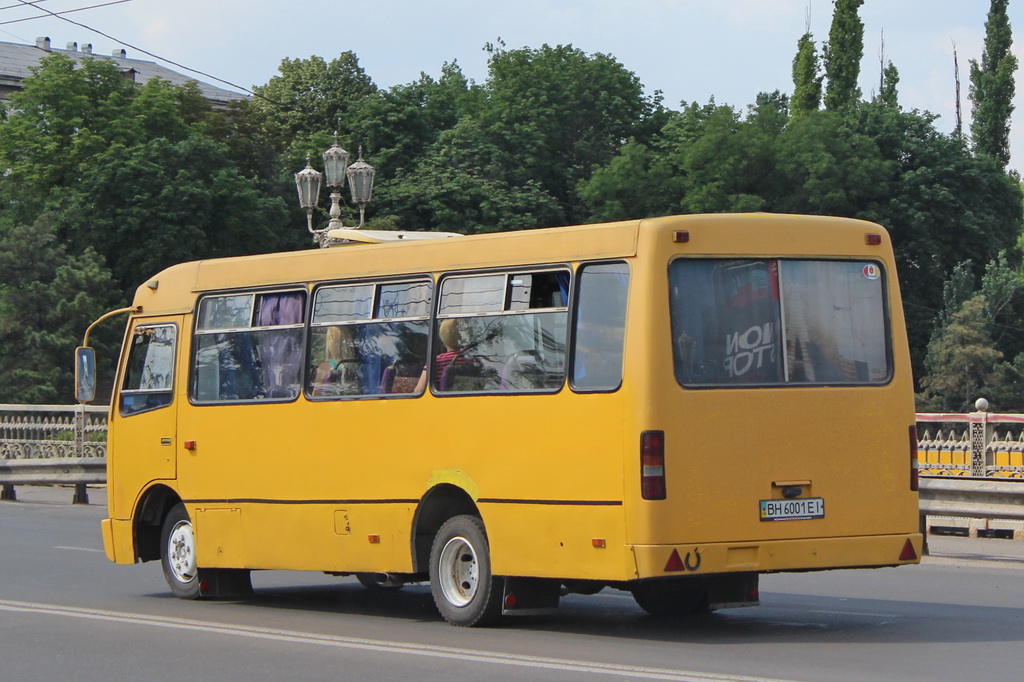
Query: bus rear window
{"points": [[778, 322]]}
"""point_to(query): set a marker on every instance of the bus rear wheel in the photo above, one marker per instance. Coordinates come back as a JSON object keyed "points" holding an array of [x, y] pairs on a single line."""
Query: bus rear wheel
{"points": [[464, 590], [183, 575]]}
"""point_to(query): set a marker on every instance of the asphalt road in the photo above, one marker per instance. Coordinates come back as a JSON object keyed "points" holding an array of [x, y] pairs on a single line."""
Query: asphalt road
{"points": [[66, 613]]}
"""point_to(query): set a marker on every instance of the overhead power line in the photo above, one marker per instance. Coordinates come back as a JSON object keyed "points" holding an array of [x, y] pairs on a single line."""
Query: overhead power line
{"points": [[33, 3], [21, 5]]}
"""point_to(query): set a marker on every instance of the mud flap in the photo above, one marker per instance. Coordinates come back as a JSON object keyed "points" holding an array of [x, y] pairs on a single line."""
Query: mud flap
{"points": [[732, 590], [527, 596], [225, 583]]}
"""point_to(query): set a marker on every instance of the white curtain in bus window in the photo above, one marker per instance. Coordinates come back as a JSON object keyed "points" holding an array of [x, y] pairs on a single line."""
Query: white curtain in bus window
{"points": [[149, 374], [600, 326], [502, 333], [249, 347], [769, 322], [369, 339]]}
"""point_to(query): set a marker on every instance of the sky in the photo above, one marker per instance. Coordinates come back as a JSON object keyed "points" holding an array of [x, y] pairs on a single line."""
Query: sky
{"points": [[690, 50]]}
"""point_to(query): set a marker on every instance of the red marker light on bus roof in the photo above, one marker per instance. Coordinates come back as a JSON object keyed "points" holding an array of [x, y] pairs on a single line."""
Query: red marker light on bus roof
{"points": [[872, 239]]}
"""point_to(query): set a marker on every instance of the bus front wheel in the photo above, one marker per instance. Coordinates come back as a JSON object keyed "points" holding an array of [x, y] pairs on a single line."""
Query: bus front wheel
{"points": [[464, 590], [178, 554]]}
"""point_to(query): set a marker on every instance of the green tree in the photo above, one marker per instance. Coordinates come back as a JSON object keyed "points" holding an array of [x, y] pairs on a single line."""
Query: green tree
{"points": [[48, 298], [559, 114], [724, 165], [961, 361], [399, 124], [958, 289], [941, 204], [310, 96], [64, 116], [806, 77], [889, 95], [462, 185], [826, 166], [1001, 287], [149, 206], [992, 87], [989, 312], [842, 55], [638, 183]]}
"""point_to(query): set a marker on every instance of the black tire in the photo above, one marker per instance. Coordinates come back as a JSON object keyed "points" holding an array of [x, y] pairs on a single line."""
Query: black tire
{"points": [[380, 582], [183, 575], [464, 590], [671, 598], [178, 554]]}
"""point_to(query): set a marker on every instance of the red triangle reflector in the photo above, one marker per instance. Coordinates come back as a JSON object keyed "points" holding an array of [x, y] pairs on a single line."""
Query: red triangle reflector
{"points": [[675, 563], [908, 553]]}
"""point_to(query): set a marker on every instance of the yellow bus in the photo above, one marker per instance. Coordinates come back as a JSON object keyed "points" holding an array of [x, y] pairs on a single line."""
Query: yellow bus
{"points": [[669, 407]]}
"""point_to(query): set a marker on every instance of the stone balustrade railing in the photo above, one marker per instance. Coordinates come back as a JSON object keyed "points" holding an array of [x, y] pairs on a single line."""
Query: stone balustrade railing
{"points": [[978, 444], [64, 436]]}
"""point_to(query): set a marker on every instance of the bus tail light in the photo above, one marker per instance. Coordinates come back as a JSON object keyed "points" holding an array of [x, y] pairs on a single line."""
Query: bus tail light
{"points": [[914, 481], [652, 465]]}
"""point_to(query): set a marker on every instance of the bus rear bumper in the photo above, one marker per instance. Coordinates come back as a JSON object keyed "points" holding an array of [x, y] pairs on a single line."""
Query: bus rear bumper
{"points": [[654, 561]]}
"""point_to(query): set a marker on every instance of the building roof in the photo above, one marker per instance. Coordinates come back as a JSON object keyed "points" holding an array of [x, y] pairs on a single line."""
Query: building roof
{"points": [[16, 62]]}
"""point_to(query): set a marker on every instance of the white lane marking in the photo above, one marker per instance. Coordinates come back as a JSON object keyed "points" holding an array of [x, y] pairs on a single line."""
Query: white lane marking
{"points": [[866, 614], [80, 549], [376, 645]]}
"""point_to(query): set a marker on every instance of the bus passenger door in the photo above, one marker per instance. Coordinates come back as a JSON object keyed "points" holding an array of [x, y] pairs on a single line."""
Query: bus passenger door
{"points": [[144, 432]]}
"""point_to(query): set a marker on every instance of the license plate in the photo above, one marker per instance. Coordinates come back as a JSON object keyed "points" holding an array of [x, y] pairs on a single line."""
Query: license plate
{"points": [[793, 510]]}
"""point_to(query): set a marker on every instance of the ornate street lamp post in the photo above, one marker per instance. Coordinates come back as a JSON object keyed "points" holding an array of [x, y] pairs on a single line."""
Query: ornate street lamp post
{"points": [[335, 163], [336, 171], [307, 181], [360, 184]]}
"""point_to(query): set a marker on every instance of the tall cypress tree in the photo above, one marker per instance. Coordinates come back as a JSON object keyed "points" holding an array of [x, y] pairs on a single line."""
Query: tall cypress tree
{"points": [[992, 87], [806, 77], [842, 55], [888, 94]]}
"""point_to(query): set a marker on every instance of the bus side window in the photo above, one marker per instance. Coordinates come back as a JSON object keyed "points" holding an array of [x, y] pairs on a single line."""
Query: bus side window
{"points": [[511, 332], [368, 339], [600, 327], [249, 347], [149, 373]]}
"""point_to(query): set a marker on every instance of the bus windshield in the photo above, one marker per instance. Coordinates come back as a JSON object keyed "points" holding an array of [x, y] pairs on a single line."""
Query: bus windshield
{"points": [[778, 322]]}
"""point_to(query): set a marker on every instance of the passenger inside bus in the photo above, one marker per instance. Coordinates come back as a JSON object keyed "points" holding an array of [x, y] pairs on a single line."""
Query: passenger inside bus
{"points": [[338, 374], [452, 332]]}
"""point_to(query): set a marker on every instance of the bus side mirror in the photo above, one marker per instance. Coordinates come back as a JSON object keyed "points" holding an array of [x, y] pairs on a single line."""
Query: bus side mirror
{"points": [[85, 374]]}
